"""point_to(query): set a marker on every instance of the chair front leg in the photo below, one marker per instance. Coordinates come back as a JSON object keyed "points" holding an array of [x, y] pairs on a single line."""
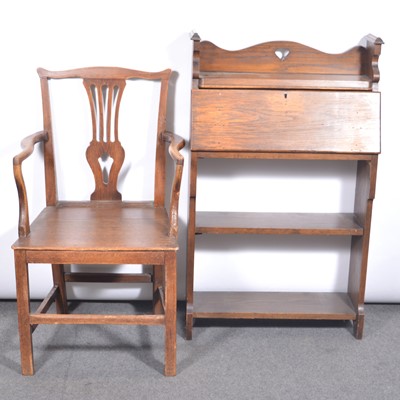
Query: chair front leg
{"points": [[170, 313], [23, 303]]}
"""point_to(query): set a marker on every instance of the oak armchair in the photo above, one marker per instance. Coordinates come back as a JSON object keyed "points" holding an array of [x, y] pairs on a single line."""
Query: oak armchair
{"points": [[105, 229]]}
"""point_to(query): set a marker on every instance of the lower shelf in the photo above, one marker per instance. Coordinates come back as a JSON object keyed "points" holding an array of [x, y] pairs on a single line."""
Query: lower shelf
{"points": [[273, 305]]}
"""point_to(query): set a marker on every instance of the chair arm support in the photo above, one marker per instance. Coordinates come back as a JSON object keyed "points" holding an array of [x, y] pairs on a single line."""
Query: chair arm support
{"points": [[27, 145], [176, 143]]}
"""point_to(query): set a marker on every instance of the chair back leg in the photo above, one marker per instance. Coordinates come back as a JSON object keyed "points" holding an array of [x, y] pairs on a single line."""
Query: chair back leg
{"points": [[59, 281]]}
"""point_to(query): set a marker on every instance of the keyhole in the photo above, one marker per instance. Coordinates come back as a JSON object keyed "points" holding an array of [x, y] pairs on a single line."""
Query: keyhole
{"points": [[105, 162], [282, 53]]}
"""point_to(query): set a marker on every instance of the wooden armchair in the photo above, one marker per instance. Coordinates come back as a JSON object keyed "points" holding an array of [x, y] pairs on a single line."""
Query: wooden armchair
{"points": [[106, 229]]}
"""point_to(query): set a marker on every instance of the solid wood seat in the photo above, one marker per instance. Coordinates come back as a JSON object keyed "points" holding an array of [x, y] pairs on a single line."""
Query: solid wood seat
{"points": [[105, 229], [70, 226]]}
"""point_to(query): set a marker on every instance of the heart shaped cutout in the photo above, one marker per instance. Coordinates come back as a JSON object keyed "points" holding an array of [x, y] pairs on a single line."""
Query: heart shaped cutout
{"points": [[282, 53]]}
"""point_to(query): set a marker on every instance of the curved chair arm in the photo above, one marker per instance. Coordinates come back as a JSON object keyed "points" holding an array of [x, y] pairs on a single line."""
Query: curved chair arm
{"points": [[176, 143], [27, 145]]}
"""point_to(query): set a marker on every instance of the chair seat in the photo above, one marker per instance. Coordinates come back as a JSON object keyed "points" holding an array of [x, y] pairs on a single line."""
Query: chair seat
{"points": [[100, 226]]}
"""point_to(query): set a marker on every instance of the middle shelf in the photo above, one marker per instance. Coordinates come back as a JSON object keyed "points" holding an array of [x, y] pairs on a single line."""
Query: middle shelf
{"points": [[344, 224]]}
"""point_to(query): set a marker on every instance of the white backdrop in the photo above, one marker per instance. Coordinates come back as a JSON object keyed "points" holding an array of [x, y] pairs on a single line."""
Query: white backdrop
{"points": [[154, 35]]}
